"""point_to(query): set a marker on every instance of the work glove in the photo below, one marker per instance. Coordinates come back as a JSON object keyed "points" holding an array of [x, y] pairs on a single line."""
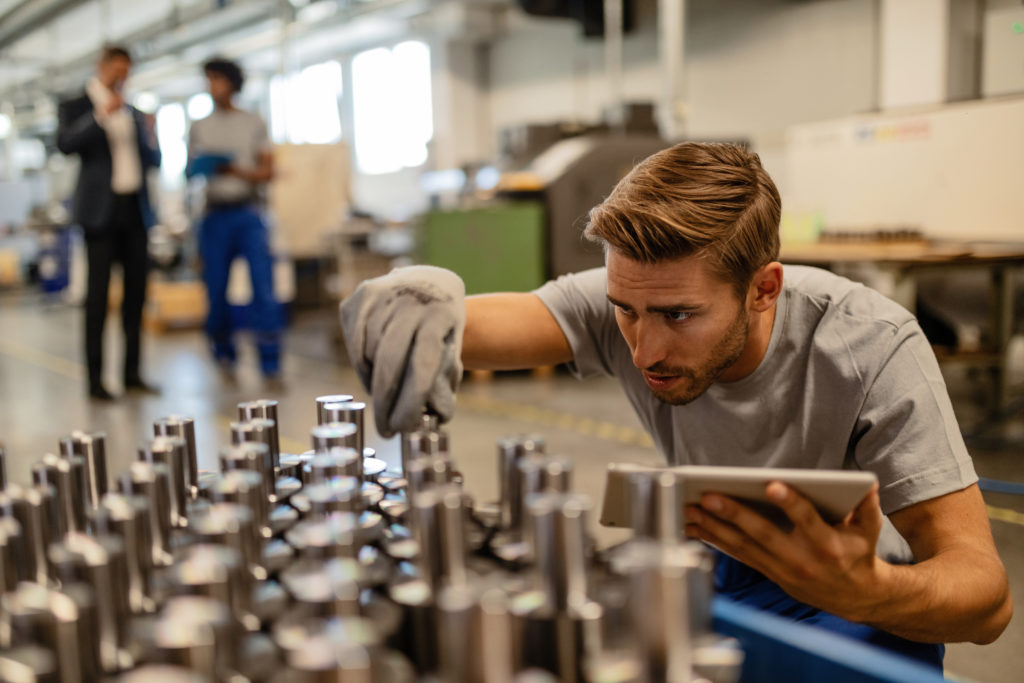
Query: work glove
{"points": [[403, 332]]}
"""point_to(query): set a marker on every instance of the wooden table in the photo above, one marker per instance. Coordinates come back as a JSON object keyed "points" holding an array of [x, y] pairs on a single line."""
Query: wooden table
{"points": [[901, 260]]}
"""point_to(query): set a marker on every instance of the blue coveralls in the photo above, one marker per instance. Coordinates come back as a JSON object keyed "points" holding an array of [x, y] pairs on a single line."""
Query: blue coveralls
{"points": [[225, 233], [740, 583]]}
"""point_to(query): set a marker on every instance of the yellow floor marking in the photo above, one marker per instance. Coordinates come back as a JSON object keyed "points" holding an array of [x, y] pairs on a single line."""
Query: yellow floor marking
{"points": [[42, 359]]}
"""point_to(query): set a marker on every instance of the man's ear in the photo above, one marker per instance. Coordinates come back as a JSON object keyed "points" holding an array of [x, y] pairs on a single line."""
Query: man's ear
{"points": [[765, 287]]}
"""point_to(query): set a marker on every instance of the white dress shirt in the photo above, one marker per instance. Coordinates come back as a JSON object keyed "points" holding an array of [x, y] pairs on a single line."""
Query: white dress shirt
{"points": [[126, 174]]}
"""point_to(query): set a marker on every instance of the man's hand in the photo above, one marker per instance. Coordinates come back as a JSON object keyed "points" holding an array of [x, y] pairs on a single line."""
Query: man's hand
{"points": [[833, 568], [403, 332]]}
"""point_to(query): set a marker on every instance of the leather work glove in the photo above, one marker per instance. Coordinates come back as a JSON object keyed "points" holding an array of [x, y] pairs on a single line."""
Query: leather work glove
{"points": [[403, 332]]}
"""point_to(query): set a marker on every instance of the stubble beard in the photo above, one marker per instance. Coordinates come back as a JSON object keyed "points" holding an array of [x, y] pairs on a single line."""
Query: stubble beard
{"points": [[727, 352]]}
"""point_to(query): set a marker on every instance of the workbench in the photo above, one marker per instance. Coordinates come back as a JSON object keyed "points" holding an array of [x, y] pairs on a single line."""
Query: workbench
{"points": [[899, 262]]}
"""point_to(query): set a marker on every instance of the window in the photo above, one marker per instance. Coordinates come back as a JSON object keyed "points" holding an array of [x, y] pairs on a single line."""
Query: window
{"points": [[392, 107], [304, 106], [170, 133]]}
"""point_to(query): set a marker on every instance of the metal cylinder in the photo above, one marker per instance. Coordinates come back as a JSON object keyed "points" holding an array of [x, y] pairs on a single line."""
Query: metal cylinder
{"points": [[32, 507], [336, 536], [232, 525], [3, 467], [510, 451], [196, 632], [28, 664], [100, 562], [324, 588], [429, 440], [259, 431], [348, 412], [129, 518], [215, 572], [321, 401], [670, 603], [247, 488], [11, 550], [335, 462], [426, 472], [475, 635], [250, 455], [63, 621], [162, 673], [330, 435], [171, 452], [322, 659], [149, 481], [184, 428], [656, 511], [437, 524], [67, 476], [91, 447], [339, 495], [264, 409], [559, 522]]}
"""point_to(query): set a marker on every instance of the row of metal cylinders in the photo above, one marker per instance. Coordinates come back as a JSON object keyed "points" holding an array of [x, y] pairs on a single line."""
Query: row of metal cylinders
{"points": [[193, 553]]}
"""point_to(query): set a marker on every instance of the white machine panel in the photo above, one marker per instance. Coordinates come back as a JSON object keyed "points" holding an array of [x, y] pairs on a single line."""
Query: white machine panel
{"points": [[1003, 55]]}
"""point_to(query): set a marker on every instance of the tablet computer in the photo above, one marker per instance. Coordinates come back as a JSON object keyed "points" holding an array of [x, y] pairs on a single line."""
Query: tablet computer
{"points": [[835, 493]]}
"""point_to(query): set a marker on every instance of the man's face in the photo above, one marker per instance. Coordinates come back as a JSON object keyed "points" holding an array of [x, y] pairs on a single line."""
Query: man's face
{"points": [[683, 323], [114, 72], [220, 87]]}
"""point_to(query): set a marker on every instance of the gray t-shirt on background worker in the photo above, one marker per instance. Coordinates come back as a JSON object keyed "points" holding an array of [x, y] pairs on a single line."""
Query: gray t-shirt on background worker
{"points": [[848, 381], [237, 134]]}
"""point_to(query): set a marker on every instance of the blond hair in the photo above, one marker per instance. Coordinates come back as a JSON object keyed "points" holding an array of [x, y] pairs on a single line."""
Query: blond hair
{"points": [[712, 200]]}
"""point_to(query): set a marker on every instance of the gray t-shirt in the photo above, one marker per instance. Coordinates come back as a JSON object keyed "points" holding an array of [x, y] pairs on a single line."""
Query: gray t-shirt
{"points": [[238, 134], [848, 381]]}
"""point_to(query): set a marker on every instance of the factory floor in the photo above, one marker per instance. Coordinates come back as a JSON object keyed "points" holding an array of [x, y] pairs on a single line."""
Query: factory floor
{"points": [[43, 395]]}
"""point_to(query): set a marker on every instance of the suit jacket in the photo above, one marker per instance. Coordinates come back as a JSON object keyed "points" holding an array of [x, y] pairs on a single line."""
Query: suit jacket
{"points": [[79, 133]]}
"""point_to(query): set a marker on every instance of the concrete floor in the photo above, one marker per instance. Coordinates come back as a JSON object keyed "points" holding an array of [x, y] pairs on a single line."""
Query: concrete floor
{"points": [[43, 396]]}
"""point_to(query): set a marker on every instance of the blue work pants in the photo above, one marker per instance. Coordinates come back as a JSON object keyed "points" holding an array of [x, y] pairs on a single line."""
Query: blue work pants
{"points": [[225, 234]]}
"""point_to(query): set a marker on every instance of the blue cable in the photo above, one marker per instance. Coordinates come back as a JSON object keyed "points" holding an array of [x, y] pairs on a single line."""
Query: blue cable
{"points": [[998, 486]]}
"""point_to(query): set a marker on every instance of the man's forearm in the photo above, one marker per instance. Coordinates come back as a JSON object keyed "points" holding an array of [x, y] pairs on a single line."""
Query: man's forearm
{"points": [[511, 331], [951, 597]]}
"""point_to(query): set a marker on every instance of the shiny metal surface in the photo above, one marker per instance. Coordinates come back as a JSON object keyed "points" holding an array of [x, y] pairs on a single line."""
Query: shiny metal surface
{"points": [[183, 427], [92, 448]]}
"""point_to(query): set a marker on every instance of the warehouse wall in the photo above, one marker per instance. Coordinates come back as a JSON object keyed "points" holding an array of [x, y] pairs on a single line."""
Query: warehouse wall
{"points": [[754, 67]]}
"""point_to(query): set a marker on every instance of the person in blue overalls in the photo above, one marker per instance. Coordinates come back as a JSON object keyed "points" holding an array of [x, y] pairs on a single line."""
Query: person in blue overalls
{"points": [[231, 148]]}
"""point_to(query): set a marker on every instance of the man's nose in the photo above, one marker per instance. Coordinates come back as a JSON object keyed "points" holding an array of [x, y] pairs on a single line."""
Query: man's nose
{"points": [[650, 348]]}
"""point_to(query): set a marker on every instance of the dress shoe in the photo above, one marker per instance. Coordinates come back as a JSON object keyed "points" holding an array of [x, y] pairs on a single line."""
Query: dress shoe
{"points": [[137, 386], [98, 393]]}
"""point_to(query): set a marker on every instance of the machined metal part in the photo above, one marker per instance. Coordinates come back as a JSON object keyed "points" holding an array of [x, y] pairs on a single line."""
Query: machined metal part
{"points": [[100, 562], [265, 409], [11, 550], [245, 487], [195, 632], [438, 516], [476, 637], [28, 664], [234, 526], [321, 401], [128, 517], [336, 495], [348, 412], [330, 435], [259, 431], [657, 512], [336, 536], [67, 476], [3, 467], [324, 588], [163, 673], [63, 621], [32, 507], [337, 461], [91, 447], [149, 481], [182, 427], [216, 572], [172, 453]]}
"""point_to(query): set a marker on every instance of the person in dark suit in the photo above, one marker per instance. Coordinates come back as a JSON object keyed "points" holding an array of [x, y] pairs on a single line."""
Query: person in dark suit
{"points": [[116, 146]]}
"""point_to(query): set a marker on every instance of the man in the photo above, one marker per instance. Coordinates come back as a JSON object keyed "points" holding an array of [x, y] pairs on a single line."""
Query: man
{"points": [[729, 358], [233, 224], [116, 146]]}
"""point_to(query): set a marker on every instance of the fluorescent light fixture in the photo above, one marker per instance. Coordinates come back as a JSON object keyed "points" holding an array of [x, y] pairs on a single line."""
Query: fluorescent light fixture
{"points": [[5, 125], [200, 106], [147, 102]]}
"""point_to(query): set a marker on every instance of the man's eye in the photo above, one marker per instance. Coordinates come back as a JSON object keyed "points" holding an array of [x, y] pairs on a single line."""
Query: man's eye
{"points": [[624, 310], [677, 316]]}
